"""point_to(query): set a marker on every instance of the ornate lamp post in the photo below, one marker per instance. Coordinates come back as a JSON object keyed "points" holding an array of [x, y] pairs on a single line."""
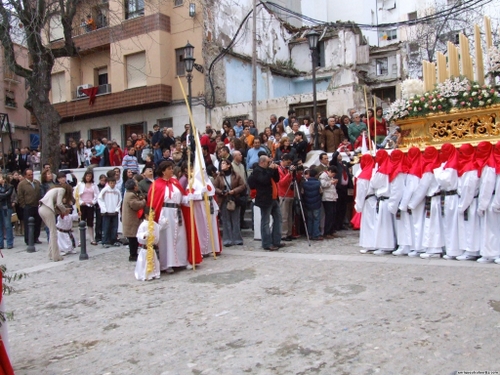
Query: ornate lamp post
{"points": [[189, 63], [312, 39]]}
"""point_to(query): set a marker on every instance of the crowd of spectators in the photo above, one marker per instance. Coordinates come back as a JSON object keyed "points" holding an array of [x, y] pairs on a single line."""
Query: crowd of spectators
{"points": [[230, 154]]}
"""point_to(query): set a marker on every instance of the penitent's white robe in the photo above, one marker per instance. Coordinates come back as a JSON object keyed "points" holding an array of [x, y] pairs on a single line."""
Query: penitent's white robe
{"points": [[468, 230], [432, 228], [414, 200], [384, 228], [173, 245], [489, 211], [141, 265], [203, 229], [448, 180], [402, 220], [367, 207]]}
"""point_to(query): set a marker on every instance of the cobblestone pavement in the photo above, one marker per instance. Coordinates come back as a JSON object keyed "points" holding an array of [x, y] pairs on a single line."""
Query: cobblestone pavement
{"points": [[319, 309]]}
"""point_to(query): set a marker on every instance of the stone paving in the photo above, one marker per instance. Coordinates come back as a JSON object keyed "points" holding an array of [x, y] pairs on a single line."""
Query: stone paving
{"points": [[323, 309]]}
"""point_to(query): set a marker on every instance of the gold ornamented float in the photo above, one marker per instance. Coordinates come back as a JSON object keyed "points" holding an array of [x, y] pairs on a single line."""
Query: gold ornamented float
{"points": [[449, 106]]}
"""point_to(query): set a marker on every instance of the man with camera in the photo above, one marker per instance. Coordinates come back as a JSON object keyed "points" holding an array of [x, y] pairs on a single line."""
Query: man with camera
{"points": [[286, 194], [264, 180]]}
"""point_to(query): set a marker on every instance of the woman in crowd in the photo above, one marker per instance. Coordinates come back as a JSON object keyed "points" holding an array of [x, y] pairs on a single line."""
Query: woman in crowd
{"points": [[356, 128], [378, 126], [50, 206], [88, 152], [345, 121], [226, 125], [86, 194], [264, 142], [284, 148], [228, 186], [115, 155], [81, 154], [133, 201], [231, 134], [6, 206], [63, 157]]}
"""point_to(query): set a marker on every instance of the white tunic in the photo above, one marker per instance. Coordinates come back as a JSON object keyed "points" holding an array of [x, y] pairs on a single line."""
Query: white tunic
{"points": [[141, 265], [402, 219], [417, 203], [384, 228], [203, 229], [489, 212], [173, 245], [448, 180], [367, 207], [432, 228], [468, 230], [63, 239]]}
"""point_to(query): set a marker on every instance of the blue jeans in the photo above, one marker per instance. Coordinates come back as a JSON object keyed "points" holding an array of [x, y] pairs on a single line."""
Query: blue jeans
{"points": [[270, 238], [313, 219], [109, 229], [5, 222]]}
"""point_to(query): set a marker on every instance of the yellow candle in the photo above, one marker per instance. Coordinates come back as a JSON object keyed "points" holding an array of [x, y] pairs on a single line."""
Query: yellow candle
{"points": [[487, 29], [453, 60], [432, 68], [441, 64]]}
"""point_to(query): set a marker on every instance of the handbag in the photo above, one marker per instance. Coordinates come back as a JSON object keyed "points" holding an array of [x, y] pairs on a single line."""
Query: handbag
{"points": [[230, 205], [14, 219]]}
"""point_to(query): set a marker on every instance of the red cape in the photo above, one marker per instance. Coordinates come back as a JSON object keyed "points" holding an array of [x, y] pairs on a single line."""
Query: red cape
{"points": [[414, 158], [466, 159], [430, 159], [367, 164], [158, 187], [484, 156], [449, 155], [398, 164]]}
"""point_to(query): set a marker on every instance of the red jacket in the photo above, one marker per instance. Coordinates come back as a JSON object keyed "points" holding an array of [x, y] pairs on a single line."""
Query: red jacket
{"points": [[285, 182]]}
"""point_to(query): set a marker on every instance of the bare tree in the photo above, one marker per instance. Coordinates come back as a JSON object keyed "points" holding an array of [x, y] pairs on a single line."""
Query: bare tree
{"points": [[445, 23], [34, 17]]}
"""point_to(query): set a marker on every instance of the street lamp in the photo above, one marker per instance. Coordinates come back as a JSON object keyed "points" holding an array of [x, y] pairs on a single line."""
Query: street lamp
{"points": [[189, 63], [312, 39]]}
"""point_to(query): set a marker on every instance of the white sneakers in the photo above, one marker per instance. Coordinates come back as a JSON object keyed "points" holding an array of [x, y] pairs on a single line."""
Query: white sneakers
{"points": [[485, 260], [466, 257], [430, 255], [400, 252], [448, 257], [366, 251], [381, 252], [414, 254]]}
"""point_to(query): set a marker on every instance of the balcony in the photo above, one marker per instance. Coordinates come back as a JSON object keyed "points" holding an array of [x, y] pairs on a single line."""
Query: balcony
{"points": [[101, 90], [123, 101], [89, 40]]}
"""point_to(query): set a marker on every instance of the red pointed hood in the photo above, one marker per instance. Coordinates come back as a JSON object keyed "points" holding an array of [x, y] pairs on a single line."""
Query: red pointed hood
{"points": [[449, 155], [496, 156], [414, 158], [466, 159], [398, 164], [383, 161], [367, 164], [430, 159], [484, 156]]}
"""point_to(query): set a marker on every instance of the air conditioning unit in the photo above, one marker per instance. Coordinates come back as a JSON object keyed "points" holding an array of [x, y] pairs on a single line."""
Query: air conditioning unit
{"points": [[104, 89], [80, 93]]}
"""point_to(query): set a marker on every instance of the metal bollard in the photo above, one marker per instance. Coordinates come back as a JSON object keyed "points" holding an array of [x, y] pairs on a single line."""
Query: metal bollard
{"points": [[31, 235], [83, 240]]}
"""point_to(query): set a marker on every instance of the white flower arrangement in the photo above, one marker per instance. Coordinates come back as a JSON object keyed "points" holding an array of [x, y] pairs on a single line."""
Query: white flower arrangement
{"points": [[411, 87], [494, 59], [452, 87]]}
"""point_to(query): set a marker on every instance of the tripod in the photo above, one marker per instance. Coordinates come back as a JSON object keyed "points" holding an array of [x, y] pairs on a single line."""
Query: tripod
{"points": [[296, 193]]}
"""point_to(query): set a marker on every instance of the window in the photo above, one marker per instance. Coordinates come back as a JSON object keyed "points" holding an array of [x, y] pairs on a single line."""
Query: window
{"points": [[321, 54], [10, 99], [58, 88], [382, 66], [73, 135], [306, 109], [56, 31], [178, 3], [165, 122], [9, 75], [412, 16], [452, 36], [134, 8], [102, 76], [100, 133], [390, 4], [136, 66], [179, 61], [392, 34], [129, 129], [413, 49]]}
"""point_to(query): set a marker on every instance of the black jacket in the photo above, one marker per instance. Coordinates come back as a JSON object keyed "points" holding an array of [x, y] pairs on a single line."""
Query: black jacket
{"points": [[260, 180], [5, 196]]}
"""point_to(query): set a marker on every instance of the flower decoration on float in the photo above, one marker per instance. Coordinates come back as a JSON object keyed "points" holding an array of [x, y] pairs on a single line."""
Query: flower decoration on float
{"points": [[454, 93]]}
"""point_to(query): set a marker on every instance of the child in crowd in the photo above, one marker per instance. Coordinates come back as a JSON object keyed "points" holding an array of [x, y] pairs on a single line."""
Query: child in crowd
{"points": [[94, 159], [141, 272], [103, 180], [345, 146], [130, 162], [65, 238], [109, 201], [312, 202]]}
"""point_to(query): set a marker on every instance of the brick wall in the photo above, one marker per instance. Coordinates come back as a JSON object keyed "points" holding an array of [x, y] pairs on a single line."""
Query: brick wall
{"points": [[125, 100]]}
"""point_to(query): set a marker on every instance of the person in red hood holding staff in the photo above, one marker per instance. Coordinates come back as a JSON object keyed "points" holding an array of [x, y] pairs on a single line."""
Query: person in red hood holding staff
{"points": [[168, 199], [366, 203]]}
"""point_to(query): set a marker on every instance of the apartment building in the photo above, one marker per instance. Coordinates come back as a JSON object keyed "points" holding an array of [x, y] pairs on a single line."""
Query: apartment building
{"points": [[123, 80]]}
